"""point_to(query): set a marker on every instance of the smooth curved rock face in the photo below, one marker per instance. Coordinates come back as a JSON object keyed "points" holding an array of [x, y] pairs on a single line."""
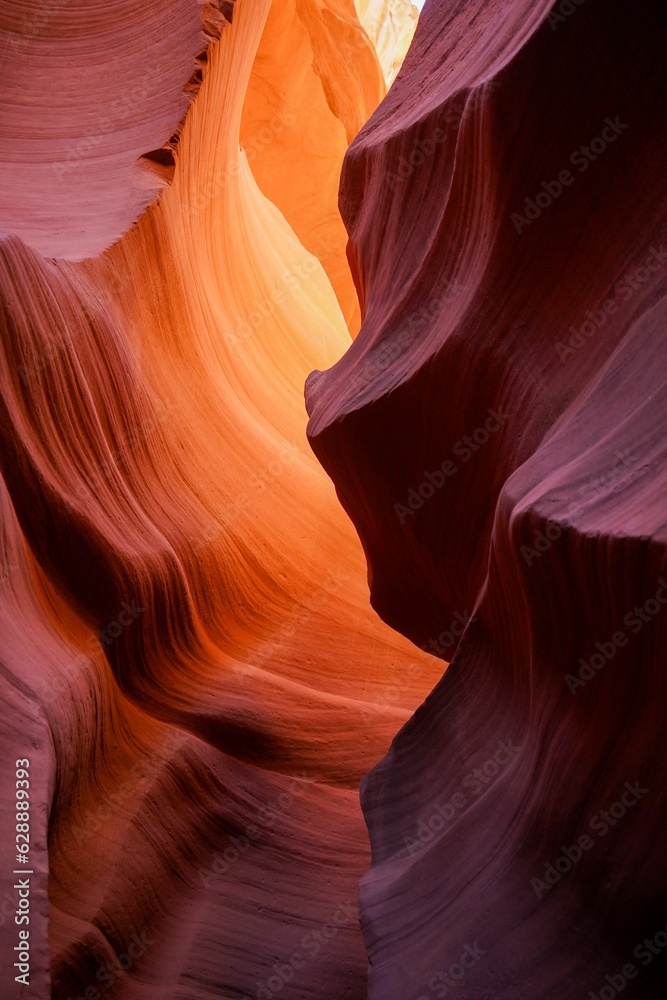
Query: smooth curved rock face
{"points": [[188, 658], [497, 434], [316, 80], [186, 645]]}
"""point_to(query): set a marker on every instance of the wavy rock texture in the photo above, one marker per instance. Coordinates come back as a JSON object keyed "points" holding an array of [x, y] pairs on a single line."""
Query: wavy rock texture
{"points": [[188, 651], [90, 93], [303, 96], [497, 434]]}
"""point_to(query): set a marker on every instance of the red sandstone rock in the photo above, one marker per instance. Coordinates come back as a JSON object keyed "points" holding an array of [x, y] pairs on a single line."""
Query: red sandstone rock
{"points": [[496, 433], [188, 653]]}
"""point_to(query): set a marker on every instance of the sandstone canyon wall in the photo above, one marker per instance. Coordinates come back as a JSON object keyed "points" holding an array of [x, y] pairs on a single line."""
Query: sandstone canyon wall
{"points": [[496, 433], [202, 206]]}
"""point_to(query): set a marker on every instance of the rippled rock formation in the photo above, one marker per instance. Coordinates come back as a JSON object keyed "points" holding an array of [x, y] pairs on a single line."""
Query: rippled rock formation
{"points": [[189, 656], [497, 435], [90, 92]]}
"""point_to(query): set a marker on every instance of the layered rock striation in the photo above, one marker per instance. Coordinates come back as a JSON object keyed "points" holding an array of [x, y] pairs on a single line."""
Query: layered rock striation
{"points": [[496, 433]]}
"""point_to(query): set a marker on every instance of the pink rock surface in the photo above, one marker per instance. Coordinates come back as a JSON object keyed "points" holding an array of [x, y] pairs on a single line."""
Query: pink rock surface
{"points": [[497, 434], [88, 90], [188, 657]]}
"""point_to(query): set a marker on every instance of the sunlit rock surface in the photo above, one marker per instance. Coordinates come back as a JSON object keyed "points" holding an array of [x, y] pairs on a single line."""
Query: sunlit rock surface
{"points": [[316, 79], [390, 25], [189, 658]]}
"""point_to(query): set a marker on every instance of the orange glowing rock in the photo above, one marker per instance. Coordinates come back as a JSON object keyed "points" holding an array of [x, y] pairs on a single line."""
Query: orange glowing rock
{"points": [[315, 81]]}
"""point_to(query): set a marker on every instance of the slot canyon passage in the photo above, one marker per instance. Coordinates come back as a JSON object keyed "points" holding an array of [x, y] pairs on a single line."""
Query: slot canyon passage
{"points": [[357, 695]]}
